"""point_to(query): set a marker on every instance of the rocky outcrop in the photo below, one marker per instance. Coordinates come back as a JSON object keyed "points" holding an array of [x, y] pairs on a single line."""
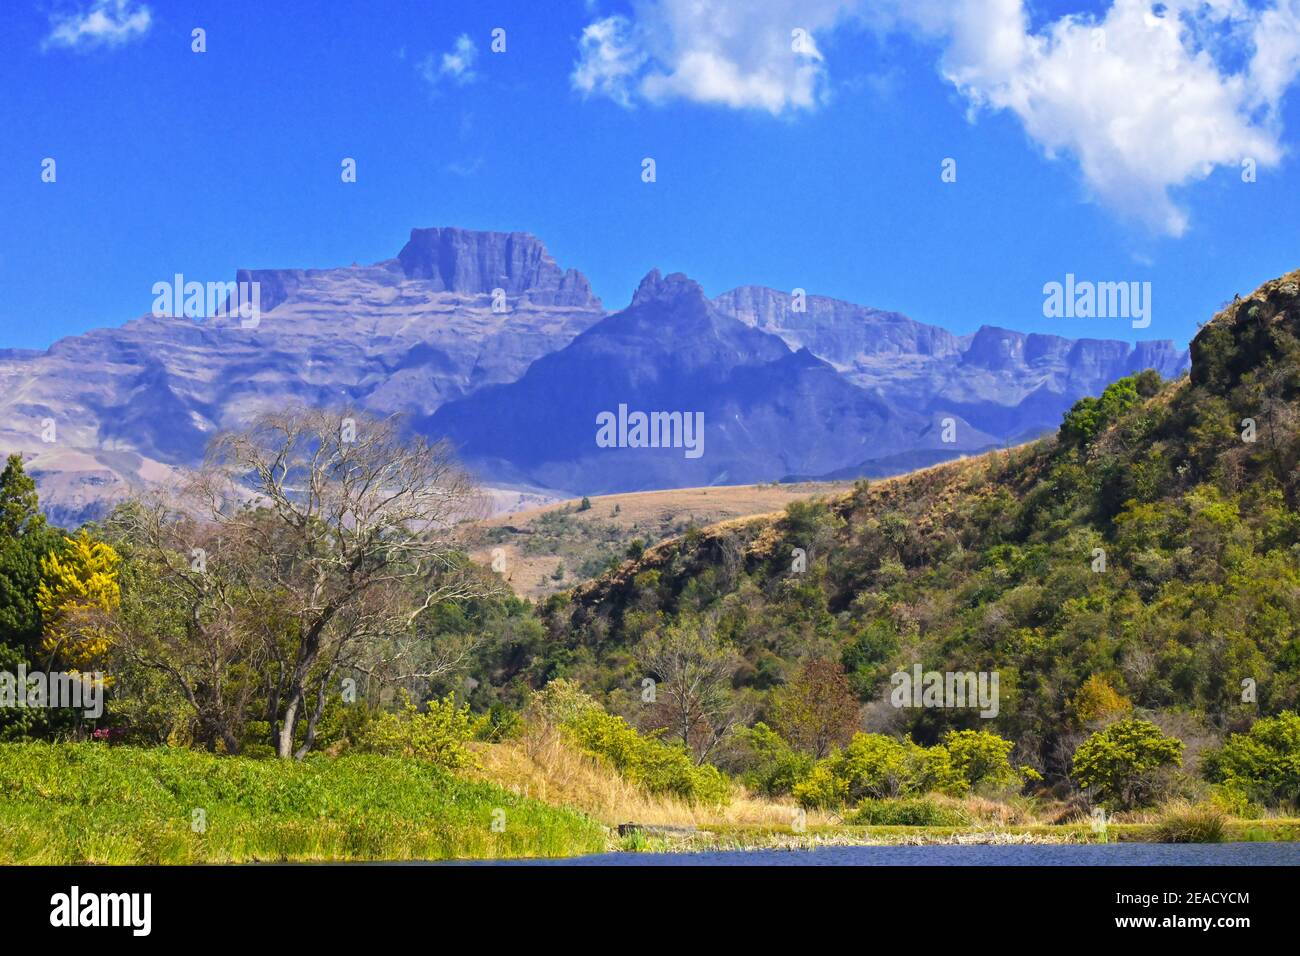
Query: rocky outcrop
{"points": [[476, 263]]}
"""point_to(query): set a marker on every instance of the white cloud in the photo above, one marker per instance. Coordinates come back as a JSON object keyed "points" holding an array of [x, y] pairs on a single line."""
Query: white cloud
{"points": [[609, 60], [457, 65], [1146, 98], [740, 55], [104, 23], [1138, 98]]}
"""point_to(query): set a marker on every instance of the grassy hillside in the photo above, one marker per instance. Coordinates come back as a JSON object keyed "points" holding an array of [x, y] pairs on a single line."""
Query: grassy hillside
{"points": [[1147, 558], [548, 549], [89, 803]]}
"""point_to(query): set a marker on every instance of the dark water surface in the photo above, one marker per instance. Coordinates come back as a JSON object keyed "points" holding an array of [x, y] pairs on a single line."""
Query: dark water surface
{"points": [[1110, 854]]}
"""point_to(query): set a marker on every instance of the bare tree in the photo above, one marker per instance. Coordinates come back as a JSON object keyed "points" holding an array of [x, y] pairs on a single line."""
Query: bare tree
{"points": [[693, 694], [349, 520]]}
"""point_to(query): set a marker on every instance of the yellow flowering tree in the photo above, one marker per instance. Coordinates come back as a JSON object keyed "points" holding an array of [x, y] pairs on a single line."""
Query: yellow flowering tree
{"points": [[78, 586]]}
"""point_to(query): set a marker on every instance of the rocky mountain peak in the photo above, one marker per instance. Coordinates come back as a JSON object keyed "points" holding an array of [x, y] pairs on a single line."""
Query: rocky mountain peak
{"points": [[475, 263], [671, 288]]}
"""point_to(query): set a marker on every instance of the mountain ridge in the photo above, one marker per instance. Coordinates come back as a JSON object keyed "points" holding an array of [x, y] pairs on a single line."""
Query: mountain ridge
{"points": [[458, 311]]}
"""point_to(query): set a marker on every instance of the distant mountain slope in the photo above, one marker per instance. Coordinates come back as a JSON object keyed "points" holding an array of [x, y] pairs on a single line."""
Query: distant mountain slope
{"points": [[767, 411], [403, 335], [1007, 384]]}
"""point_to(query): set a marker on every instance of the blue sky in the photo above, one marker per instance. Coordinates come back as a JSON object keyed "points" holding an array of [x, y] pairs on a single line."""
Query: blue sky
{"points": [[818, 169]]}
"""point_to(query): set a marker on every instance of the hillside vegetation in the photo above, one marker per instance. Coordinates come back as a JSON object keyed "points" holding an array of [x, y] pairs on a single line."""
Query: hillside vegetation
{"points": [[1146, 559]]}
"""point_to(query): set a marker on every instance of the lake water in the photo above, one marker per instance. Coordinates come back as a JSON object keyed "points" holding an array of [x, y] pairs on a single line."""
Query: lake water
{"points": [[1109, 854]]}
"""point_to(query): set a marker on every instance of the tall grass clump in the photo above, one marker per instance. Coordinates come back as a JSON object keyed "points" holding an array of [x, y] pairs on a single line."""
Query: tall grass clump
{"points": [[1191, 823]]}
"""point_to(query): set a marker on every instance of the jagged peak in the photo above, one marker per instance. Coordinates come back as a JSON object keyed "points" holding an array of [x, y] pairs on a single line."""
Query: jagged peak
{"points": [[656, 287]]}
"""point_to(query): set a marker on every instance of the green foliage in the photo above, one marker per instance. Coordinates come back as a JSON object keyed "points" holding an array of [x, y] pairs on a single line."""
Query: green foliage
{"points": [[1263, 764], [982, 759], [438, 734], [879, 767], [643, 760], [1090, 416], [89, 803], [867, 654], [25, 541], [500, 723], [909, 812], [1121, 764], [648, 762], [773, 767]]}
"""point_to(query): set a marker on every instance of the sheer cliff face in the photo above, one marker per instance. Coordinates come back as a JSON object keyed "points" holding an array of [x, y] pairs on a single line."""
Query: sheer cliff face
{"points": [[458, 260], [405, 335], [484, 335], [1007, 383]]}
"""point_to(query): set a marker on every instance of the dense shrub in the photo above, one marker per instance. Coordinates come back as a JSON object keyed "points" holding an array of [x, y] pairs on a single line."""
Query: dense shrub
{"points": [[773, 766], [982, 759], [879, 767], [1122, 765], [910, 812], [438, 734], [1263, 764], [647, 761]]}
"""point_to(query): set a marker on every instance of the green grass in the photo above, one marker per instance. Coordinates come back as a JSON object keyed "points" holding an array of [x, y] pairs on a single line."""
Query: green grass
{"points": [[88, 803]]}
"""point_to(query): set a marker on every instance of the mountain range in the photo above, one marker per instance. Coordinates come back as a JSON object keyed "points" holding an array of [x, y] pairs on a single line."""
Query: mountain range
{"points": [[482, 338]]}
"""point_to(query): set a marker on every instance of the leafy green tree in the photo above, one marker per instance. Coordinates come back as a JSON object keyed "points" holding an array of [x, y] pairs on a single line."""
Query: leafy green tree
{"points": [[982, 759], [25, 539], [1089, 416], [1264, 763], [879, 767], [773, 767], [1122, 764]]}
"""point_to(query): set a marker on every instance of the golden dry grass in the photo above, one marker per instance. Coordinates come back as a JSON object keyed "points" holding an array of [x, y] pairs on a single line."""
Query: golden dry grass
{"points": [[543, 766], [643, 514]]}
